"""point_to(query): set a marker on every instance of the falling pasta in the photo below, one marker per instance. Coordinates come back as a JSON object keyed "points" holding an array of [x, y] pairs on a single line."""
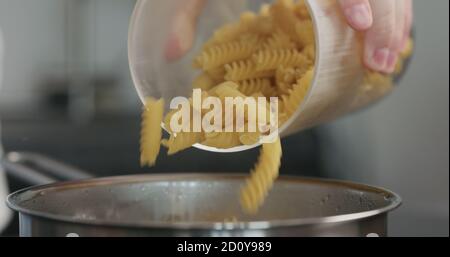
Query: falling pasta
{"points": [[262, 177], [151, 132]]}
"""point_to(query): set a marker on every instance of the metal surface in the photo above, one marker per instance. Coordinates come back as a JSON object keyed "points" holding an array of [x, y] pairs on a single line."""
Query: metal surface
{"points": [[37, 169], [199, 205]]}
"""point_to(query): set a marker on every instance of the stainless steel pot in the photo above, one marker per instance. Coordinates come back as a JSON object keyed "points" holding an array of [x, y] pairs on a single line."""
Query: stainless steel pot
{"points": [[198, 205]]}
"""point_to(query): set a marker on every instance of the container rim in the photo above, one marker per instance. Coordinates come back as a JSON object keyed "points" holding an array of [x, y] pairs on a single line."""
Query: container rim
{"points": [[13, 202]]}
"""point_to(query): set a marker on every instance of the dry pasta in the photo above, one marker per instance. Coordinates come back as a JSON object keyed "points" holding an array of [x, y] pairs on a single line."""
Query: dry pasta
{"points": [[244, 70], [262, 177], [249, 138], [222, 140], [284, 16], [278, 40], [225, 53], [182, 141], [253, 86], [297, 94], [151, 132], [305, 33], [268, 60]]}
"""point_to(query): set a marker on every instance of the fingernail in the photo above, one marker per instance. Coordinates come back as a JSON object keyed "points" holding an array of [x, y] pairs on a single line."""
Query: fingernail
{"points": [[359, 16], [391, 62], [379, 59]]}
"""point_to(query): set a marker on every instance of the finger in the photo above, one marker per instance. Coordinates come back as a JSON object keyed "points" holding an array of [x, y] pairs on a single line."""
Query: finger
{"points": [[380, 51], [358, 13], [409, 15], [182, 31], [396, 44]]}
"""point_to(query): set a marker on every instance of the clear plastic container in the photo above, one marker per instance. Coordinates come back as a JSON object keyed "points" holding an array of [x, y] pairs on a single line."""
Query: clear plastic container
{"points": [[338, 87]]}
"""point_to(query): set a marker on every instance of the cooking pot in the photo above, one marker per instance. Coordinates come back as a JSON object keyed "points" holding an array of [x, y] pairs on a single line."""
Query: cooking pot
{"points": [[189, 205]]}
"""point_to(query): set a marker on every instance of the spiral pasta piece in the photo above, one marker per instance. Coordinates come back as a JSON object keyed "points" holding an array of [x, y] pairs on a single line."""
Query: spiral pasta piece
{"points": [[225, 53], [296, 96], [278, 40], [260, 25], [229, 89], [310, 52], [249, 138], [244, 70], [248, 20], [271, 59], [262, 177], [151, 132], [253, 86], [265, 26], [301, 10], [182, 141], [233, 31], [228, 33], [222, 140], [286, 75], [304, 32], [285, 19], [284, 88]]}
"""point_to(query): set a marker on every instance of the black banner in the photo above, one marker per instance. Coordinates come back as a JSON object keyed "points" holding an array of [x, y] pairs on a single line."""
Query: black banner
{"points": [[128, 247]]}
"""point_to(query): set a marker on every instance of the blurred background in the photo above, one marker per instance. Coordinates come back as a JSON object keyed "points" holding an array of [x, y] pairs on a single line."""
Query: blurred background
{"points": [[67, 93]]}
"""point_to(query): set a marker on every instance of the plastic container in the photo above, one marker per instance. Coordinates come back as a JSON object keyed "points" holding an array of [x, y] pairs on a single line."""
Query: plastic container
{"points": [[338, 87]]}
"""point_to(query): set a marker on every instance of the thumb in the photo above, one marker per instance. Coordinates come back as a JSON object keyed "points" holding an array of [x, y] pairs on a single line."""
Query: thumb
{"points": [[182, 30]]}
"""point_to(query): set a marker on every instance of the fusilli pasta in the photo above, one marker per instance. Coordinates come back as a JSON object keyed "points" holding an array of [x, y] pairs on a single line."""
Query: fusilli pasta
{"points": [[285, 19], [151, 132], [271, 59], [262, 177], [182, 141], [225, 53], [297, 94], [244, 70], [305, 33], [249, 138], [222, 140], [253, 86], [278, 40]]}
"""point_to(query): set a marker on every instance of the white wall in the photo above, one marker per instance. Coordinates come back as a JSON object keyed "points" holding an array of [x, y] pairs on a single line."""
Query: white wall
{"points": [[33, 31], [61, 38], [403, 143]]}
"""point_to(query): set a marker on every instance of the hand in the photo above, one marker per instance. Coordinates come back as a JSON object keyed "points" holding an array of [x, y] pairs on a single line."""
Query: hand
{"points": [[181, 36], [386, 24], [387, 27]]}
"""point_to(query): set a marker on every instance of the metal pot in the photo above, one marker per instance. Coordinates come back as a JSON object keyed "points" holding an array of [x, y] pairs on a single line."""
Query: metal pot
{"points": [[196, 205]]}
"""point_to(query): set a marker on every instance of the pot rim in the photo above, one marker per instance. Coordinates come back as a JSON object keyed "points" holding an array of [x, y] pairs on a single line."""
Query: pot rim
{"points": [[14, 203]]}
